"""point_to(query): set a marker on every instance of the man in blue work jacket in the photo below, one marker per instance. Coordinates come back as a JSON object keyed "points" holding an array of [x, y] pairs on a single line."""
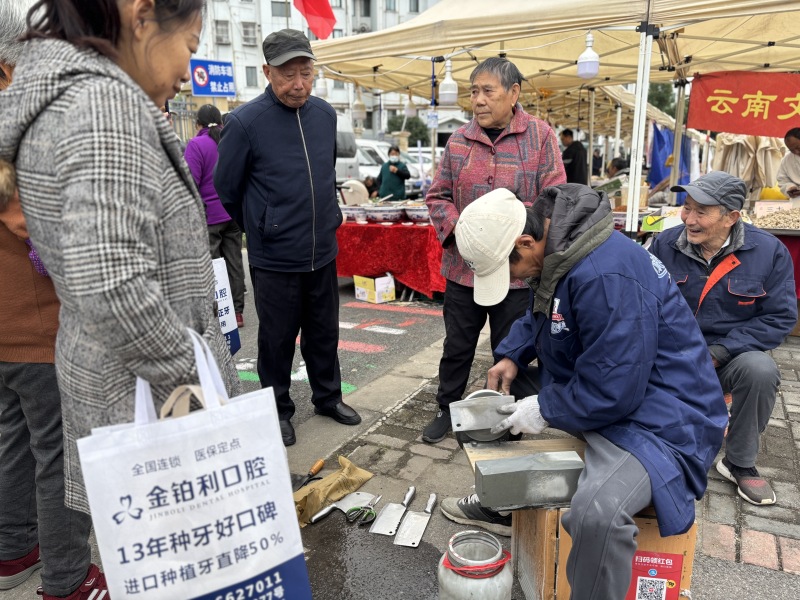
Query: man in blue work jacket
{"points": [[621, 362], [739, 282]]}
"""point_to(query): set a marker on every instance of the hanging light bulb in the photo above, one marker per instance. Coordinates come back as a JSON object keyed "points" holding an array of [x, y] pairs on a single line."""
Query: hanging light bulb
{"points": [[448, 89], [321, 86], [589, 60], [359, 108], [410, 109]]}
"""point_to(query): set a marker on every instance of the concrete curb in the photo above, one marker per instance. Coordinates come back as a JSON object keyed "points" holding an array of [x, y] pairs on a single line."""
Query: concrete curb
{"points": [[320, 437]]}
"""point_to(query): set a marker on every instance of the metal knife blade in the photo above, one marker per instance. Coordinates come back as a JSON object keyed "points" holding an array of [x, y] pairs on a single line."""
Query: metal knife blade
{"points": [[389, 518], [413, 526]]}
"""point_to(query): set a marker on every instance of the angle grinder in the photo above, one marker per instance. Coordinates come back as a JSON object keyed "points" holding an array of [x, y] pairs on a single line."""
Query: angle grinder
{"points": [[474, 416]]}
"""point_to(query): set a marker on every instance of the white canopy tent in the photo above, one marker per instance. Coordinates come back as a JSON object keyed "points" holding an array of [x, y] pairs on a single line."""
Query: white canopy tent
{"points": [[545, 39]]}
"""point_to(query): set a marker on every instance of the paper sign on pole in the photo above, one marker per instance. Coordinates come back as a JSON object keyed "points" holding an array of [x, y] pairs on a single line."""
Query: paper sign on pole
{"points": [[225, 310]]}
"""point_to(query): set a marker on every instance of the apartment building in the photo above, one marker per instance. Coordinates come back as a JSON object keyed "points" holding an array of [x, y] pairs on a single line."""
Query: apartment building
{"points": [[234, 30]]}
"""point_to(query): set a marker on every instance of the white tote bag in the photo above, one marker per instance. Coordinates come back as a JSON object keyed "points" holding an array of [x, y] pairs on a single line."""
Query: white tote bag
{"points": [[199, 506]]}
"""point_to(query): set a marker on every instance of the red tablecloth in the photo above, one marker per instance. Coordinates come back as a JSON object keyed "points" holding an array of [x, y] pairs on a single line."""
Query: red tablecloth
{"points": [[412, 254], [793, 244]]}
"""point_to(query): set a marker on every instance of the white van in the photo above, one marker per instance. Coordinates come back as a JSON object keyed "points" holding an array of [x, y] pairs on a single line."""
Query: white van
{"points": [[346, 151]]}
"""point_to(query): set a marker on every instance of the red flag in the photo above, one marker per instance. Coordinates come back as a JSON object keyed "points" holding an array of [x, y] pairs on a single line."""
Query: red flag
{"points": [[319, 15]]}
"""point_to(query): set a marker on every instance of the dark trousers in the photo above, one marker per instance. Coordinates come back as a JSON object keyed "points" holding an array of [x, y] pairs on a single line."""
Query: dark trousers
{"points": [[32, 509], [752, 378], [225, 240], [288, 303], [463, 322], [612, 488]]}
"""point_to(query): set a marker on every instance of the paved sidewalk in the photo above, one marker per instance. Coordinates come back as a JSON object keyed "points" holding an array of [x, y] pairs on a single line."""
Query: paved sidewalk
{"points": [[742, 551], [769, 536]]}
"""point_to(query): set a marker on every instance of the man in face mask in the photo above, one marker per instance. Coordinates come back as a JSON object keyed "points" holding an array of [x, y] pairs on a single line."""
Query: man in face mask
{"points": [[392, 177]]}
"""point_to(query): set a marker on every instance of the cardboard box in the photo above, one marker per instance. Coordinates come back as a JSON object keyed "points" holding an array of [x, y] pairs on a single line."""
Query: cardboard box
{"points": [[540, 545], [762, 208], [374, 289]]}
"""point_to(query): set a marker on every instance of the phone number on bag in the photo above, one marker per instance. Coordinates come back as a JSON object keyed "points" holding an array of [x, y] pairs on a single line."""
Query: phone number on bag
{"points": [[269, 588]]}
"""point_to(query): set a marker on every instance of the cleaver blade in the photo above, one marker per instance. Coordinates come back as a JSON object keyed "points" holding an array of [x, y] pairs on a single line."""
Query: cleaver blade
{"points": [[389, 517], [414, 524]]}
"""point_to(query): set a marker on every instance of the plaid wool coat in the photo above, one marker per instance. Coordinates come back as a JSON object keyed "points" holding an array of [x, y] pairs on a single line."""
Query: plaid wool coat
{"points": [[524, 159], [116, 217]]}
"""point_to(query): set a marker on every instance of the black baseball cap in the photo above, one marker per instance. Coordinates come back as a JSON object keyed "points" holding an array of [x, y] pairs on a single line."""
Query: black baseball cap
{"points": [[717, 188], [284, 45]]}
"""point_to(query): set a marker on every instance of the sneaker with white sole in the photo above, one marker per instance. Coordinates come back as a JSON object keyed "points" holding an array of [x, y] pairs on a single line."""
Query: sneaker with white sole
{"points": [[94, 587], [468, 511], [14, 572], [751, 486]]}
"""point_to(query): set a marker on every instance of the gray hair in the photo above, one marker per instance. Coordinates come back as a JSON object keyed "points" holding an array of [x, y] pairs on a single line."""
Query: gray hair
{"points": [[502, 68], [12, 26]]}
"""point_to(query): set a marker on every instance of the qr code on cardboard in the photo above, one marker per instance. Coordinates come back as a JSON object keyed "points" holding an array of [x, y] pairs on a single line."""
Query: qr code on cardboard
{"points": [[651, 589]]}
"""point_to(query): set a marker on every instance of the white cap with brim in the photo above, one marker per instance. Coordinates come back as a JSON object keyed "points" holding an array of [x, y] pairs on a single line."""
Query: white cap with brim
{"points": [[486, 233]]}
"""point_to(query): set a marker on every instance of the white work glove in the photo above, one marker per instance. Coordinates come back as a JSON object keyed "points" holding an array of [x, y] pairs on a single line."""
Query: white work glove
{"points": [[525, 417]]}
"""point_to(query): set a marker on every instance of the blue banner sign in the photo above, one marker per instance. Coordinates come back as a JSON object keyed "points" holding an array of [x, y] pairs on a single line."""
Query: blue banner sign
{"points": [[212, 78]]}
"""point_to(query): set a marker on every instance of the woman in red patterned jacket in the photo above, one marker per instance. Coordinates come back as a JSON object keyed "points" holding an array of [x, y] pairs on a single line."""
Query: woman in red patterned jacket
{"points": [[501, 147]]}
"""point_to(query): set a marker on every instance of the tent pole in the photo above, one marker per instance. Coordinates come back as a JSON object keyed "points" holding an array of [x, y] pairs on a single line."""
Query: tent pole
{"points": [[675, 170], [617, 132], [590, 153], [647, 32]]}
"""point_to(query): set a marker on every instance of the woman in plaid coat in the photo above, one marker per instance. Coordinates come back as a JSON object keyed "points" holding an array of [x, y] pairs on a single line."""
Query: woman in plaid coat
{"points": [[111, 206]]}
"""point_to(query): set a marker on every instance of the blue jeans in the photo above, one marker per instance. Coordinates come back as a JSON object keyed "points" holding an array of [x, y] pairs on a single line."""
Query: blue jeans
{"points": [[32, 479]]}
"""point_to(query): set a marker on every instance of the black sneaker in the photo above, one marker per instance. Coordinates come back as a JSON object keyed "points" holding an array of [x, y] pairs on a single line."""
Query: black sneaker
{"points": [[751, 486], [437, 429], [468, 511]]}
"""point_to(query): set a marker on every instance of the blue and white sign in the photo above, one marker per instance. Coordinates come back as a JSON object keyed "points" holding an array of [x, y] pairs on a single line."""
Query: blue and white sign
{"points": [[225, 311], [212, 78]]}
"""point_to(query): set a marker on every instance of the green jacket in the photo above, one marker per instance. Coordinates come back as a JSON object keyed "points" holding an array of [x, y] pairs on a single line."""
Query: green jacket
{"points": [[393, 183]]}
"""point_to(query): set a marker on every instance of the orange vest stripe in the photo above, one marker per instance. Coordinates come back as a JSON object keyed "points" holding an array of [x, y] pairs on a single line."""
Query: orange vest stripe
{"points": [[728, 264]]}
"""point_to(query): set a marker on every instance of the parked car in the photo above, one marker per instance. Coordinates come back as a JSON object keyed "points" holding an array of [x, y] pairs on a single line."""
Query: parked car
{"points": [[347, 166], [376, 152], [368, 166], [424, 153]]}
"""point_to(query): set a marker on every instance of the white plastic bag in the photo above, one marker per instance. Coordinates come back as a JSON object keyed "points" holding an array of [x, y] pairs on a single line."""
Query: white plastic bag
{"points": [[198, 506]]}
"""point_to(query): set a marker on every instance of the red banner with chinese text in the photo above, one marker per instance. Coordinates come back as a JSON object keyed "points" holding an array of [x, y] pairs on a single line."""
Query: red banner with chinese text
{"points": [[745, 102]]}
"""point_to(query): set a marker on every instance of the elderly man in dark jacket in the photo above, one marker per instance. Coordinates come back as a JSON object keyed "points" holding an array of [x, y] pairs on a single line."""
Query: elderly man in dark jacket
{"points": [[276, 176], [739, 282], [620, 360]]}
